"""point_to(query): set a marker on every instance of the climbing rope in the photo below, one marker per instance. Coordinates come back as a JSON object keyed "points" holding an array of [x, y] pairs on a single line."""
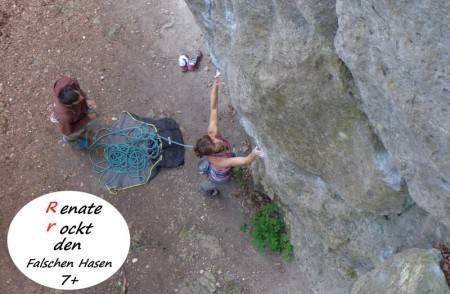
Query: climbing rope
{"points": [[125, 158], [130, 156], [134, 153], [170, 142]]}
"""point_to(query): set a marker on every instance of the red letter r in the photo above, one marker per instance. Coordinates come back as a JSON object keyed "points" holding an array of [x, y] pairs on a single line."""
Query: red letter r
{"points": [[51, 206], [50, 225]]}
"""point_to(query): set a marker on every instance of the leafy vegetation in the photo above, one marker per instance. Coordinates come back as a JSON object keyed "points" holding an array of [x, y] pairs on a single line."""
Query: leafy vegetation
{"points": [[241, 175], [268, 231]]}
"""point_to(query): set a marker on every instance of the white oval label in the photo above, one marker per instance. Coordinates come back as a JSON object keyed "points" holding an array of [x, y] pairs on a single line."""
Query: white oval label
{"points": [[68, 240]]}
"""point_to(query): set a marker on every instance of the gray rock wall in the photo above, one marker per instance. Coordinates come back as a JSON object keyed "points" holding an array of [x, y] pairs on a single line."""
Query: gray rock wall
{"points": [[414, 271], [353, 199], [399, 54]]}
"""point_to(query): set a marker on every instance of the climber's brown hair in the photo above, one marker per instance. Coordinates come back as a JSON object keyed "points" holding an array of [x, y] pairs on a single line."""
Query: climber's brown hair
{"points": [[205, 146]]}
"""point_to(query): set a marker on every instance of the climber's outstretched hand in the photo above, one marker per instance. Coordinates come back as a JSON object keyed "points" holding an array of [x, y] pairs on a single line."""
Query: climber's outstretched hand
{"points": [[259, 152], [217, 79]]}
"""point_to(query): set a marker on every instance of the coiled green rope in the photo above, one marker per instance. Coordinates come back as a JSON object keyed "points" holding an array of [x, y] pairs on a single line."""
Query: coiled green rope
{"points": [[131, 156], [125, 158], [139, 145]]}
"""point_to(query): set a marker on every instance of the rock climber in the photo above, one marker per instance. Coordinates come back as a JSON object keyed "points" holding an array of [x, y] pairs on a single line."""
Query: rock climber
{"points": [[70, 109], [219, 156]]}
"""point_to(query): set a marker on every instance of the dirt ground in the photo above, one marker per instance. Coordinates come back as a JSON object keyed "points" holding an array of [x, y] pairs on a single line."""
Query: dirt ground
{"points": [[124, 54]]}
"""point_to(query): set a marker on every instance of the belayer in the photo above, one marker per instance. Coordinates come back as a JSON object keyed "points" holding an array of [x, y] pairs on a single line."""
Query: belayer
{"points": [[71, 110], [217, 150]]}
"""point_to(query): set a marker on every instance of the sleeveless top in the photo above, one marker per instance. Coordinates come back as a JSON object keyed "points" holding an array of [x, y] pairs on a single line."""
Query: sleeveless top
{"points": [[220, 175]]}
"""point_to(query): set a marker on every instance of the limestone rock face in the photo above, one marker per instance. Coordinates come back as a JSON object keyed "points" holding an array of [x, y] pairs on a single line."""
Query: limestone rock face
{"points": [[351, 164], [398, 53], [414, 271], [279, 61]]}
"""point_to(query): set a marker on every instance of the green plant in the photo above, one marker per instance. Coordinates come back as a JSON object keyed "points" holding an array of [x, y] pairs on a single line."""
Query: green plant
{"points": [[241, 175], [268, 230]]}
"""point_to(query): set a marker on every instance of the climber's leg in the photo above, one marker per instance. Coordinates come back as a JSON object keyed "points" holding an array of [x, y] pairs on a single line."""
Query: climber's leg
{"points": [[209, 188]]}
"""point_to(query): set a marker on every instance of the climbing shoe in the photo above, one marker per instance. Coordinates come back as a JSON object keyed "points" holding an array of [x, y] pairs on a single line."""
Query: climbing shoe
{"points": [[81, 143], [195, 61], [183, 61], [214, 192]]}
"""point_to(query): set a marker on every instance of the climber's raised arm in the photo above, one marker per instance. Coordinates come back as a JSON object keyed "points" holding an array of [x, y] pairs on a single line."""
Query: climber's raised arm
{"points": [[213, 129]]}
